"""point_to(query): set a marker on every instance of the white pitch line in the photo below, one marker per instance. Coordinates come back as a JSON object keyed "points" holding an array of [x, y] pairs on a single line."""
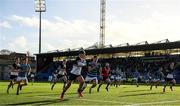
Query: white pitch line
{"points": [[121, 103], [101, 101], [155, 103], [88, 100]]}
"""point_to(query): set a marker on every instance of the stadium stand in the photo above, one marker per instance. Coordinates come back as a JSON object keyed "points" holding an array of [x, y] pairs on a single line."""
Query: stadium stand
{"points": [[127, 58], [7, 59]]}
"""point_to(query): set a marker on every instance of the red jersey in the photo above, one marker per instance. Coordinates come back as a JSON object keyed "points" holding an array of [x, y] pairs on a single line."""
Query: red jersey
{"points": [[105, 71]]}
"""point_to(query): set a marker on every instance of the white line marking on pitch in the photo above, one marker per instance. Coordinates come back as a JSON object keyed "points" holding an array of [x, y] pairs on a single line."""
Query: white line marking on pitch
{"points": [[101, 101], [123, 103], [88, 100], [151, 103]]}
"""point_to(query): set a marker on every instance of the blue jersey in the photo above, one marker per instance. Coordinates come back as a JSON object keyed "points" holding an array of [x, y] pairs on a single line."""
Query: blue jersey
{"points": [[136, 74], [24, 70], [158, 75]]}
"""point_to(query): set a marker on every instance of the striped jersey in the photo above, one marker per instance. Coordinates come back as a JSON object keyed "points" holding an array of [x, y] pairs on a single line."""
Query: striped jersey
{"points": [[95, 71]]}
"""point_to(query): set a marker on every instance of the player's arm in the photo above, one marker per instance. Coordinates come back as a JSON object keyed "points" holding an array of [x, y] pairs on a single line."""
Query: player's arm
{"points": [[65, 73], [79, 62], [29, 69], [162, 74], [27, 62], [100, 72], [54, 74], [90, 68], [14, 68], [64, 70], [27, 57], [110, 72]]}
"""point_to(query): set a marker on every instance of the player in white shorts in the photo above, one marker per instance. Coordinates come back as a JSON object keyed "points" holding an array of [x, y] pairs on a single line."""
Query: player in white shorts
{"points": [[23, 73], [92, 74], [14, 73], [169, 76], [60, 74]]}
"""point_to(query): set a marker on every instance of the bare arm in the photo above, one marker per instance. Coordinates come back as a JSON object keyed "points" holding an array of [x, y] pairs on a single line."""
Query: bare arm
{"points": [[81, 64]]}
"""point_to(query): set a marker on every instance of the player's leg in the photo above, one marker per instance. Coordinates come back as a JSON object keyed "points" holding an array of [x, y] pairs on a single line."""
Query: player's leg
{"points": [[32, 80], [157, 83], [118, 81], [100, 84], [25, 82], [165, 84], [81, 82], [72, 77], [65, 89], [54, 83], [94, 83], [84, 86], [18, 87], [137, 82], [151, 84], [87, 80], [108, 81], [115, 82], [51, 81], [9, 85], [64, 81], [12, 82], [173, 82], [133, 81]]}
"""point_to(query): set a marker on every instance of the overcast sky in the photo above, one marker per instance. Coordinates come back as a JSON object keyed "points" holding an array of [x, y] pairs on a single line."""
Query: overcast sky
{"points": [[75, 23]]}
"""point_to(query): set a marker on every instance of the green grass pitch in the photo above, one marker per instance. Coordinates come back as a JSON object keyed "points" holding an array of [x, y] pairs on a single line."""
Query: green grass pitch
{"points": [[130, 95]]}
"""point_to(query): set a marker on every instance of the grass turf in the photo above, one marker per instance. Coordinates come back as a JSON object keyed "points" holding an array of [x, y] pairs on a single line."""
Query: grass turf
{"points": [[40, 94]]}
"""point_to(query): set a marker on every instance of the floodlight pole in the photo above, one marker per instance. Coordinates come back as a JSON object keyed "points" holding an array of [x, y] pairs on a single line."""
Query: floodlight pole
{"points": [[40, 32], [40, 7]]}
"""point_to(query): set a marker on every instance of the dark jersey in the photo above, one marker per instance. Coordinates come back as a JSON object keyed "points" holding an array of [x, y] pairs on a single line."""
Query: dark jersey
{"points": [[16, 67], [169, 73]]}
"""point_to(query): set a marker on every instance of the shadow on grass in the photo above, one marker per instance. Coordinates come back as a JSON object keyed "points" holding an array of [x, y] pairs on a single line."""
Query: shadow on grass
{"points": [[44, 102], [136, 91], [28, 92], [141, 94], [57, 94], [43, 95]]}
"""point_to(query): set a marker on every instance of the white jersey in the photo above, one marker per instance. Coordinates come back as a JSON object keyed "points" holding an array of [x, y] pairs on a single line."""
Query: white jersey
{"points": [[61, 69], [77, 66]]}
